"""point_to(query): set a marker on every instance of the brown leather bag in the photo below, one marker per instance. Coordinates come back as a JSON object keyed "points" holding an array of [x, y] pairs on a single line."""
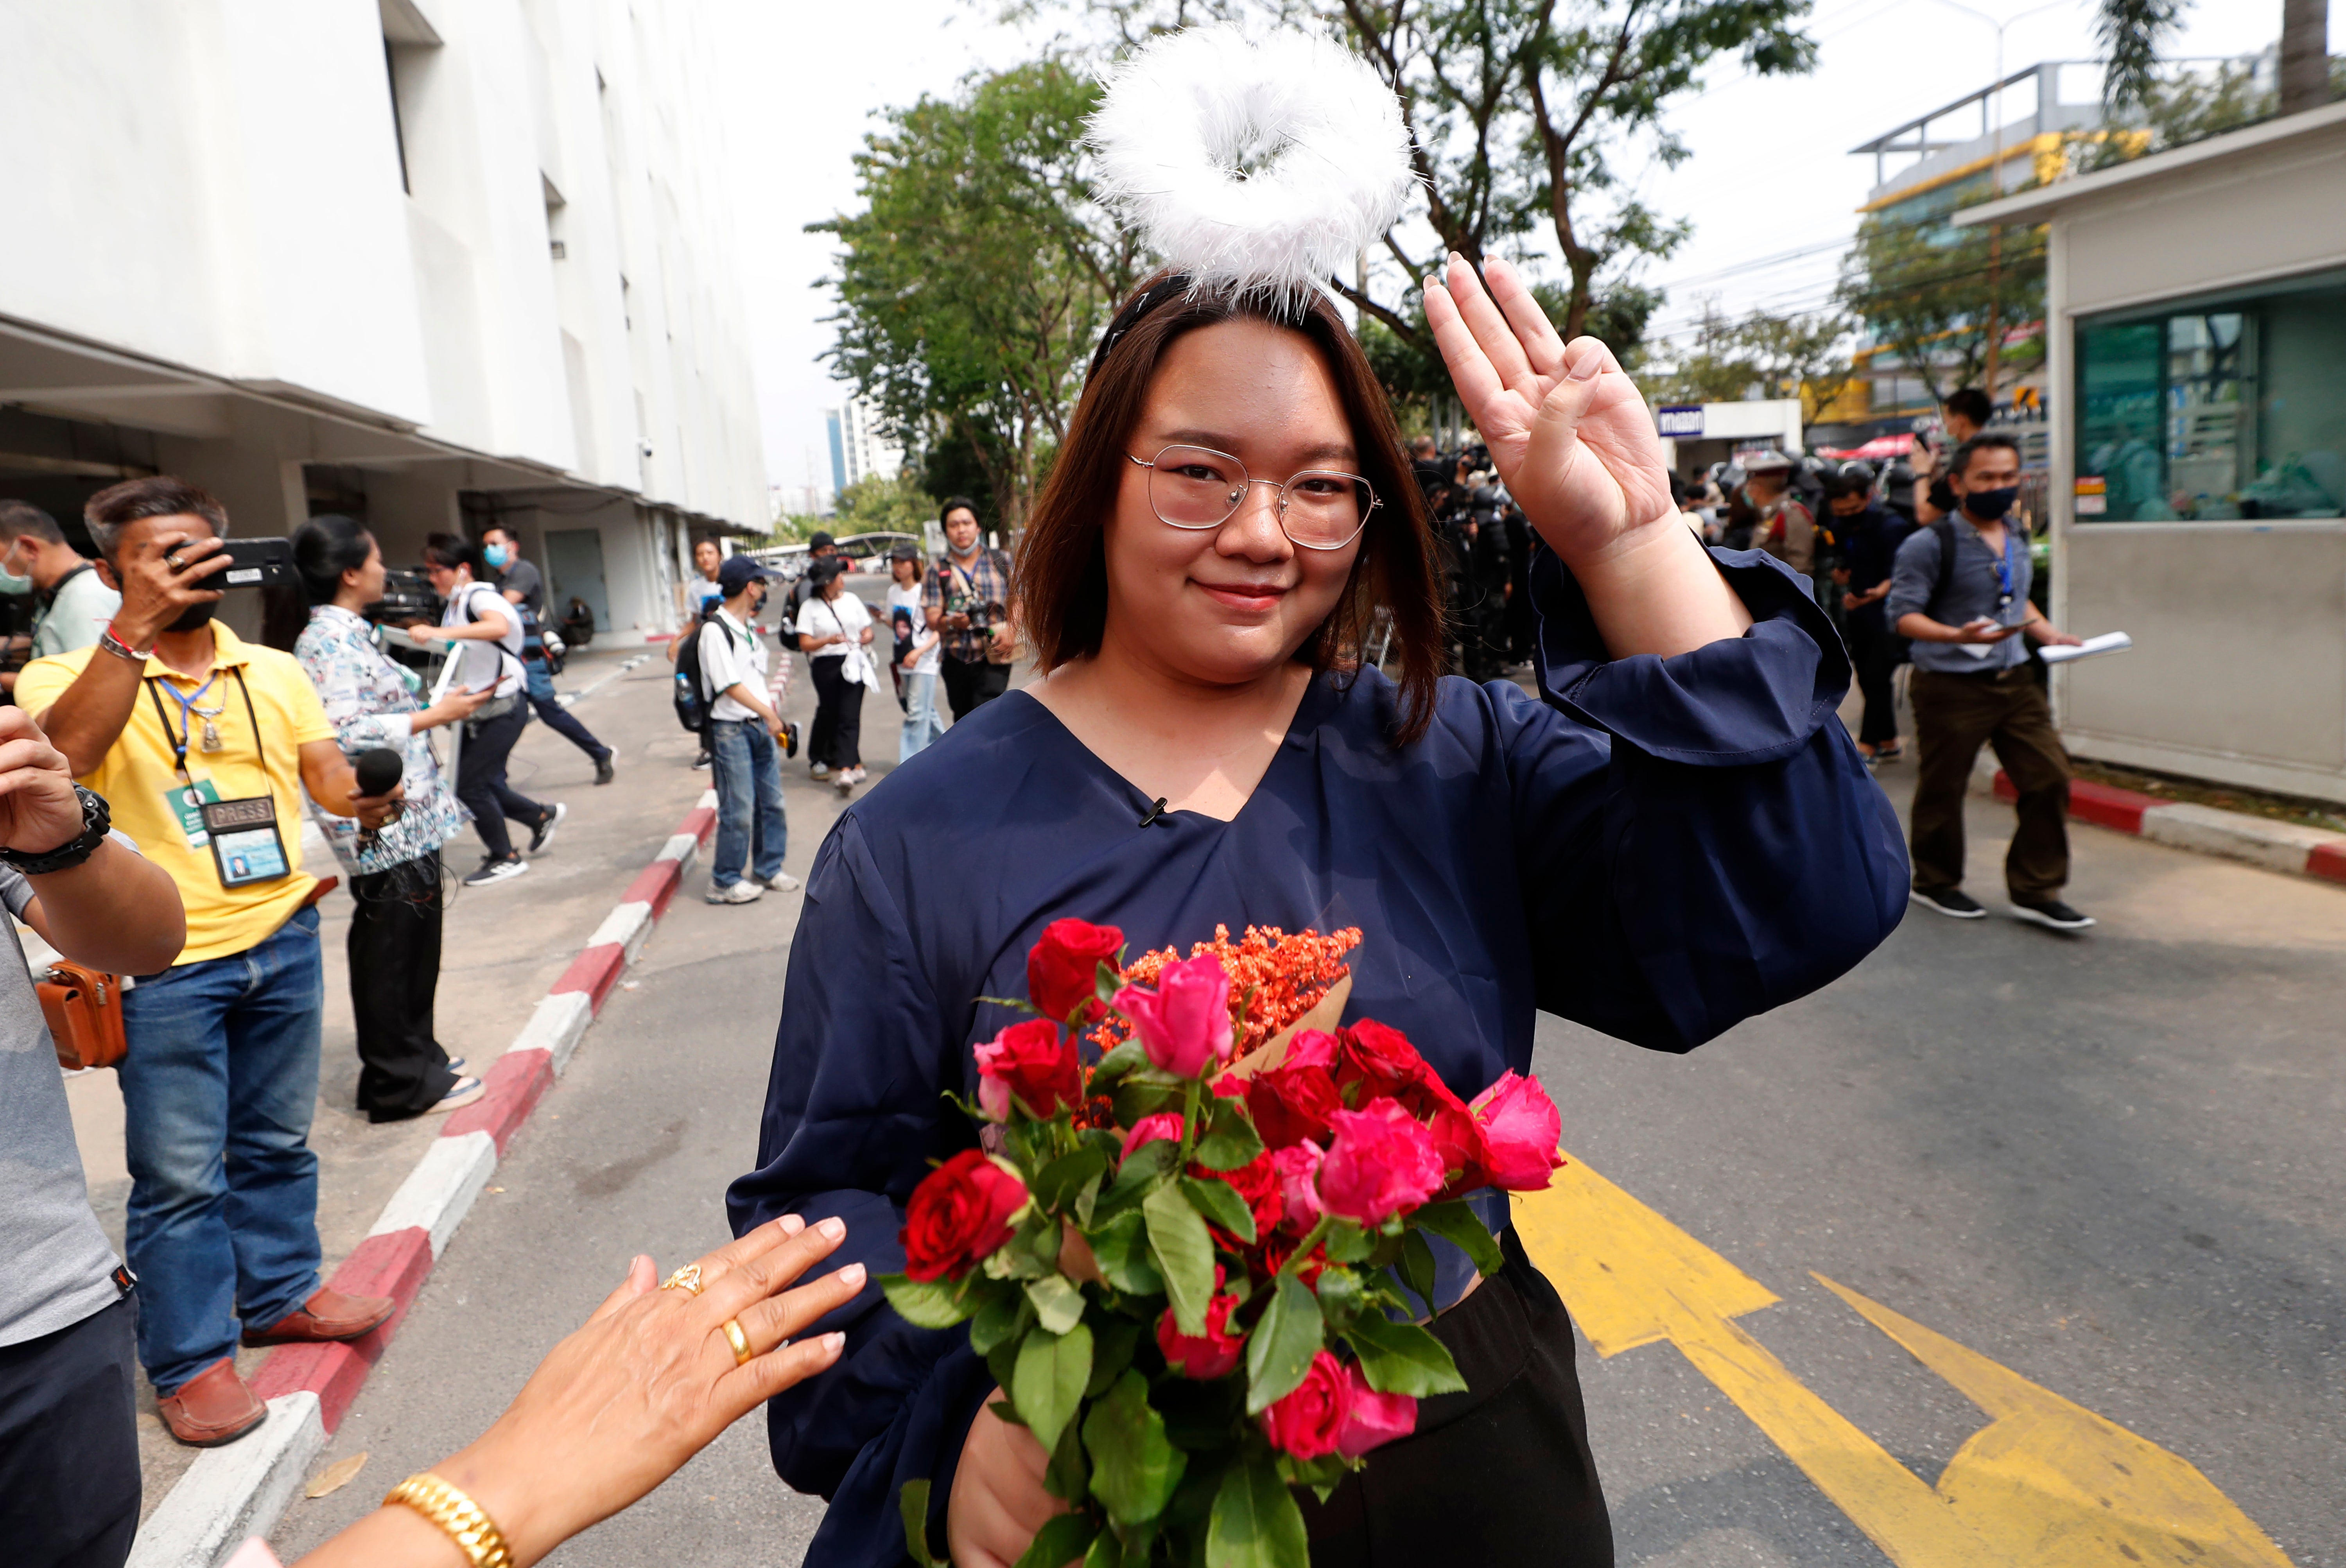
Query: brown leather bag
{"points": [[83, 1009]]}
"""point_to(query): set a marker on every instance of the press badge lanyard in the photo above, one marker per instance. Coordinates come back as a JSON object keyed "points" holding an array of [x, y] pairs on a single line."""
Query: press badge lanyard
{"points": [[243, 833]]}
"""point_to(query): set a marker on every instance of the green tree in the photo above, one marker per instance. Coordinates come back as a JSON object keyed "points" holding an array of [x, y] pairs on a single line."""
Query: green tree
{"points": [[873, 505], [974, 283], [2131, 31], [1932, 292]]}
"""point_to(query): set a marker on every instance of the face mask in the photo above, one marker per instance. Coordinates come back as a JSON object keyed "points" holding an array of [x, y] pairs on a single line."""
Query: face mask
{"points": [[496, 555], [193, 618], [1987, 505], [11, 584]]}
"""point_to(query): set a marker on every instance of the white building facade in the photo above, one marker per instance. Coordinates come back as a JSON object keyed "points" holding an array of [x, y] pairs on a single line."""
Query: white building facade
{"points": [[433, 263], [859, 450]]}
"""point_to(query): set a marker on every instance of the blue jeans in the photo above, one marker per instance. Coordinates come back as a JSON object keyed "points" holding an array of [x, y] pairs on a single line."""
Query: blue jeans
{"points": [[922, 724], [218, 1086], [750, 818]]}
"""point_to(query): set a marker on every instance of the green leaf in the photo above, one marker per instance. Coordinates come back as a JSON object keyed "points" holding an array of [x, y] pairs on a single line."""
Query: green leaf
{"points": [[1114, 1340], [1105, 1551], [1134, 1467], [1280, 1350], [1056, 1184], [1256, 1524], [924, 1303], [1120, 1248], [1140, 1175], [1185, 1255], [1342, 1294], [1058, 1304], [1457, 1222], [1069, 1473], [1219, 1202], [1135, 1098], [1348, 1243], [1005, 1315], [1110, 1070], [1052, 1371], [1059, 1543], [1231, 1140], [912, 1503], [1402, 1358], [1416, 1267]]}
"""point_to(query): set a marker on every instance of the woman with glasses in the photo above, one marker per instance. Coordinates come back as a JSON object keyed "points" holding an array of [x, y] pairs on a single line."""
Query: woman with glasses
{"points": [[1675, 835]]}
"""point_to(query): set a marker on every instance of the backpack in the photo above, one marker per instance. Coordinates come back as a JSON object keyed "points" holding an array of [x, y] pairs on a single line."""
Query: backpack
{"points": [[692, 703]]}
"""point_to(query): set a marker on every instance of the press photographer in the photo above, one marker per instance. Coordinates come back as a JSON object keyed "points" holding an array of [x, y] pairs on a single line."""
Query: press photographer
{"points": [[966, 598], [203, 744]]}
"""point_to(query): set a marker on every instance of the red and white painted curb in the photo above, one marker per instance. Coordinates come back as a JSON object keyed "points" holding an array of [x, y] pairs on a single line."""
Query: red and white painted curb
{"points": [[239, 1491], [2277, 846]]}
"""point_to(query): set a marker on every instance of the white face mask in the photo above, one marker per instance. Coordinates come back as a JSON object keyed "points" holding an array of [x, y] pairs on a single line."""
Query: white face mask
{"points": [[9, 582]]}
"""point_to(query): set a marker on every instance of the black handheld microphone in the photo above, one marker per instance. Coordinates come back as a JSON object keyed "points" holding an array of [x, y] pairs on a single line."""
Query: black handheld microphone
{"points": [[378, 771]]}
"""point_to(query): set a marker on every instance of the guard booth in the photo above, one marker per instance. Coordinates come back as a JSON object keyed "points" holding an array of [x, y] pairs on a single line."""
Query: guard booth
{"points": [[2197, 307], [1696, 436]]}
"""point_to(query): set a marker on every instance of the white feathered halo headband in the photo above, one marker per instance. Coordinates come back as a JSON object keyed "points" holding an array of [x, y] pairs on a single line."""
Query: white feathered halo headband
{"points": [[1256, 168]]}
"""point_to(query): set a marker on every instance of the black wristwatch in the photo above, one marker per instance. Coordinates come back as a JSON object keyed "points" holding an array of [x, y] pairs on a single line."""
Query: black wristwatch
{"points": [[95, 821]]}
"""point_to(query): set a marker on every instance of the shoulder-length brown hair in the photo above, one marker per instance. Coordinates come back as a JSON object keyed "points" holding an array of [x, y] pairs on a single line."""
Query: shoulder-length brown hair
{"points": [[1061, 581]]}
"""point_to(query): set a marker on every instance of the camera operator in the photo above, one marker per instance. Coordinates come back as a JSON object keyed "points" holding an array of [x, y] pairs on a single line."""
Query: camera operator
{"points": [[966, 598], [69, 1486], [203, 744]]}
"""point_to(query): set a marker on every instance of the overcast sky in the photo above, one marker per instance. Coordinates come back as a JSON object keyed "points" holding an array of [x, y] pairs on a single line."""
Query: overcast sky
{"points": [[1770, 187]]}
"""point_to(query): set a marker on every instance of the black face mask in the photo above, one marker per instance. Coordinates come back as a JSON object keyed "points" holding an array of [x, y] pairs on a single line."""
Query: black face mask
{"points": [[1987, 505], [193, 618]]}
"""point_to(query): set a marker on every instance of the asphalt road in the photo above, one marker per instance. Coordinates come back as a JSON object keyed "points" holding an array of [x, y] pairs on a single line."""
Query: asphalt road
{"points": [[2106, 1164]]}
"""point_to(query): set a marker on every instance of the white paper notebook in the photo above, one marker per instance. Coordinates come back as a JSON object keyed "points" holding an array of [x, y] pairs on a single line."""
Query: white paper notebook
{"points": [[2108, 642]]}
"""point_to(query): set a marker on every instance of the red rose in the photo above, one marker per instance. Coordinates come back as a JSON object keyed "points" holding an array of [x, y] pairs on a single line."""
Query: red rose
{"points": [[1309, 1422], [1374, 1419], [1032, 1061], [1520, 1126], [1213, 1354], [959, 1213], [1310, 1048], [1297, 1169], [1290, 1104], [1257, 1186], [1381, 1163], [1457, 1135], [1063, 968], [1381, 1061], [1148, 1129]]}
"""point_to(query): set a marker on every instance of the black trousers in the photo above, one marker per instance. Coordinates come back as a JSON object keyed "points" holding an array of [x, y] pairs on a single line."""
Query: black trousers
{"points": [[481, 780], [972, 683], [1954, 716], [394, 951], [836, 738], [69, 1445], [1873, 649], [1499, 1474]]}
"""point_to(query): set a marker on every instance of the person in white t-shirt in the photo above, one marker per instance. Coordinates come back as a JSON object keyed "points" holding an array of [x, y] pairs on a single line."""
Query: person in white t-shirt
{"points": [[487, 630], [918, 646], [835, 633], [752, 829]]}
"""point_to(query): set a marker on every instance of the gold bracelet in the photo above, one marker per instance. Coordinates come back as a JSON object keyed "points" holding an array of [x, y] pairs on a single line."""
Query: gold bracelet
{"points": [[475, 1532]]}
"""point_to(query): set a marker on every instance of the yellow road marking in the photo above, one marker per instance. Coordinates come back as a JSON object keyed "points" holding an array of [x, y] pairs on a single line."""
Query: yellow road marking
{"points": [[2045, 1484]]}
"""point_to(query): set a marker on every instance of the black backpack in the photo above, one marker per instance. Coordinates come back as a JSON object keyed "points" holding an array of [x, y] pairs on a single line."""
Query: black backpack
{"points": [[691, 706]]}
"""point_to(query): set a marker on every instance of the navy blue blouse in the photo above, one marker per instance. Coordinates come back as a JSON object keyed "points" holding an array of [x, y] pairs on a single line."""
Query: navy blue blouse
{"points": [[1660, 850]]}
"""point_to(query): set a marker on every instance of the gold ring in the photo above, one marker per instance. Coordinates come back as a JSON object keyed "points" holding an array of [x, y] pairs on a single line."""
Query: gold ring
{"points": [[739, 1341], [684, 1279]]}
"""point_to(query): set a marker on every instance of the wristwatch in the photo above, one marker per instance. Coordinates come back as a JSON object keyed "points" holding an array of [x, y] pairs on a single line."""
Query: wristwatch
{"points": [[95, 821]]}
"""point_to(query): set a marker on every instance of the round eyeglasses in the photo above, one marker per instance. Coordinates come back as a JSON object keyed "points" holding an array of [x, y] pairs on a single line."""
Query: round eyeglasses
{"points": [[1196, 487]]}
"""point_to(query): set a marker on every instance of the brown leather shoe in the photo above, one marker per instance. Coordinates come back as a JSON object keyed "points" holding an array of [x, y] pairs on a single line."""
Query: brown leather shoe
{"points": [[328, 1315], [213, 1407]]}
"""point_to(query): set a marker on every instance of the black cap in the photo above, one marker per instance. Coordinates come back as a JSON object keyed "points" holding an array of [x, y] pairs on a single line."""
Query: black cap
{"points": [[903, 553], [738, 572], [824, 568], [820, 540]]}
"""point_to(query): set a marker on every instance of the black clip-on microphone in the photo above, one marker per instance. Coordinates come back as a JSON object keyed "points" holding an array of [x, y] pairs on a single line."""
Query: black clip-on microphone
{"points": [[1156, 813]]}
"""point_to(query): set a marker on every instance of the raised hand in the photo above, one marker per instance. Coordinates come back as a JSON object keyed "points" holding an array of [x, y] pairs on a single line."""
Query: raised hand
{"points": [[38, 807], [1567, 429]]}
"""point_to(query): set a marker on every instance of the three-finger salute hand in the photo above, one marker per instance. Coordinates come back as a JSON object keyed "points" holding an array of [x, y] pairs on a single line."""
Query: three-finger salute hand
{"points": [[1568, 431], [38, 807]]}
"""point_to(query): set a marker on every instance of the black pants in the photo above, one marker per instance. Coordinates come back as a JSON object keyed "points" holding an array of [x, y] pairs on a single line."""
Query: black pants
{"points": [[972, 683], [394, 949], [1954, 715], [481, 781], [1499, 1474], [836, 738], [1873, 649], [69, 1445]]}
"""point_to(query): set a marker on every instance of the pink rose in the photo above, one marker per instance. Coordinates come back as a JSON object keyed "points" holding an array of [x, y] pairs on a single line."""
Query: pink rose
{"points": [[1310, 1048], [1382, 1162], [1185, 1022], [1032, 1061], [1308, 1422], [1148, 1129], [1297, 1166], [1520, 1131], [1372, 1419], [1213, 1354]]}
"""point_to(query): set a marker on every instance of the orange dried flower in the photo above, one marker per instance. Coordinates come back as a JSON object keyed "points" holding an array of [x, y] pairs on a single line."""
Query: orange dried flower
{"points": [[1275, 978]]}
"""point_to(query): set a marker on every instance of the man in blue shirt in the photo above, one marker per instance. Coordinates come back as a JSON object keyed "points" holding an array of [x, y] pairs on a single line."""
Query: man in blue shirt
{"points": [[1960, 592]]}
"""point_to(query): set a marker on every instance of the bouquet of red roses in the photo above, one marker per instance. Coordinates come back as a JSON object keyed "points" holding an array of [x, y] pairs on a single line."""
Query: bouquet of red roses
{"points": [[1180, 1263]]}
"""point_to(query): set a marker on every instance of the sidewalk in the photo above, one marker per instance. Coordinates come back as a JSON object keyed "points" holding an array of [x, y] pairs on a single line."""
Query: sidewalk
{"points": [[506, 946]]}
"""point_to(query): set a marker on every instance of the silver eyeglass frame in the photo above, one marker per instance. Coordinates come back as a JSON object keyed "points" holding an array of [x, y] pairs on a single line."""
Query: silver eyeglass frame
{"points": [[1279, 512]]}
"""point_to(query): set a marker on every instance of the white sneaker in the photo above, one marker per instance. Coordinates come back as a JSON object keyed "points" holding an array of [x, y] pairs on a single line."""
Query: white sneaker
{"points": [[782, 882], [493, 871], [744, 891], [820, 771]]}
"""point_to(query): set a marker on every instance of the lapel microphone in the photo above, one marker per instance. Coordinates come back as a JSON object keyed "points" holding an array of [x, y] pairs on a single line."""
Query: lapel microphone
{"points": [[1156, 813]]}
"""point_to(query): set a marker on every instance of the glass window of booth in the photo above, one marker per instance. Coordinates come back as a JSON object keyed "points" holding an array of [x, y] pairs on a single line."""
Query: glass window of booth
{"points": [[2229, 405]]}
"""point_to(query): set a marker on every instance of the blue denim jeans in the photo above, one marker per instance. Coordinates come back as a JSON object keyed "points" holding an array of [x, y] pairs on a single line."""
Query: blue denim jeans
{"points": [[922, 724], [750, 824], [218, 1086]]}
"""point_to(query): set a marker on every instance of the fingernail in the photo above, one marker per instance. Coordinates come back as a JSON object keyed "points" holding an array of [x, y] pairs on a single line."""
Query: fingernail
{"points": [[833, 1228], [791, 1224], [834, 1342], [1589, 361], [853, 1277]]}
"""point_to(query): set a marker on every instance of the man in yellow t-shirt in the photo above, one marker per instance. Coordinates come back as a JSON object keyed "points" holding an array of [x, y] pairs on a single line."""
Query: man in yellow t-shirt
{"points": [[203, 744]]}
